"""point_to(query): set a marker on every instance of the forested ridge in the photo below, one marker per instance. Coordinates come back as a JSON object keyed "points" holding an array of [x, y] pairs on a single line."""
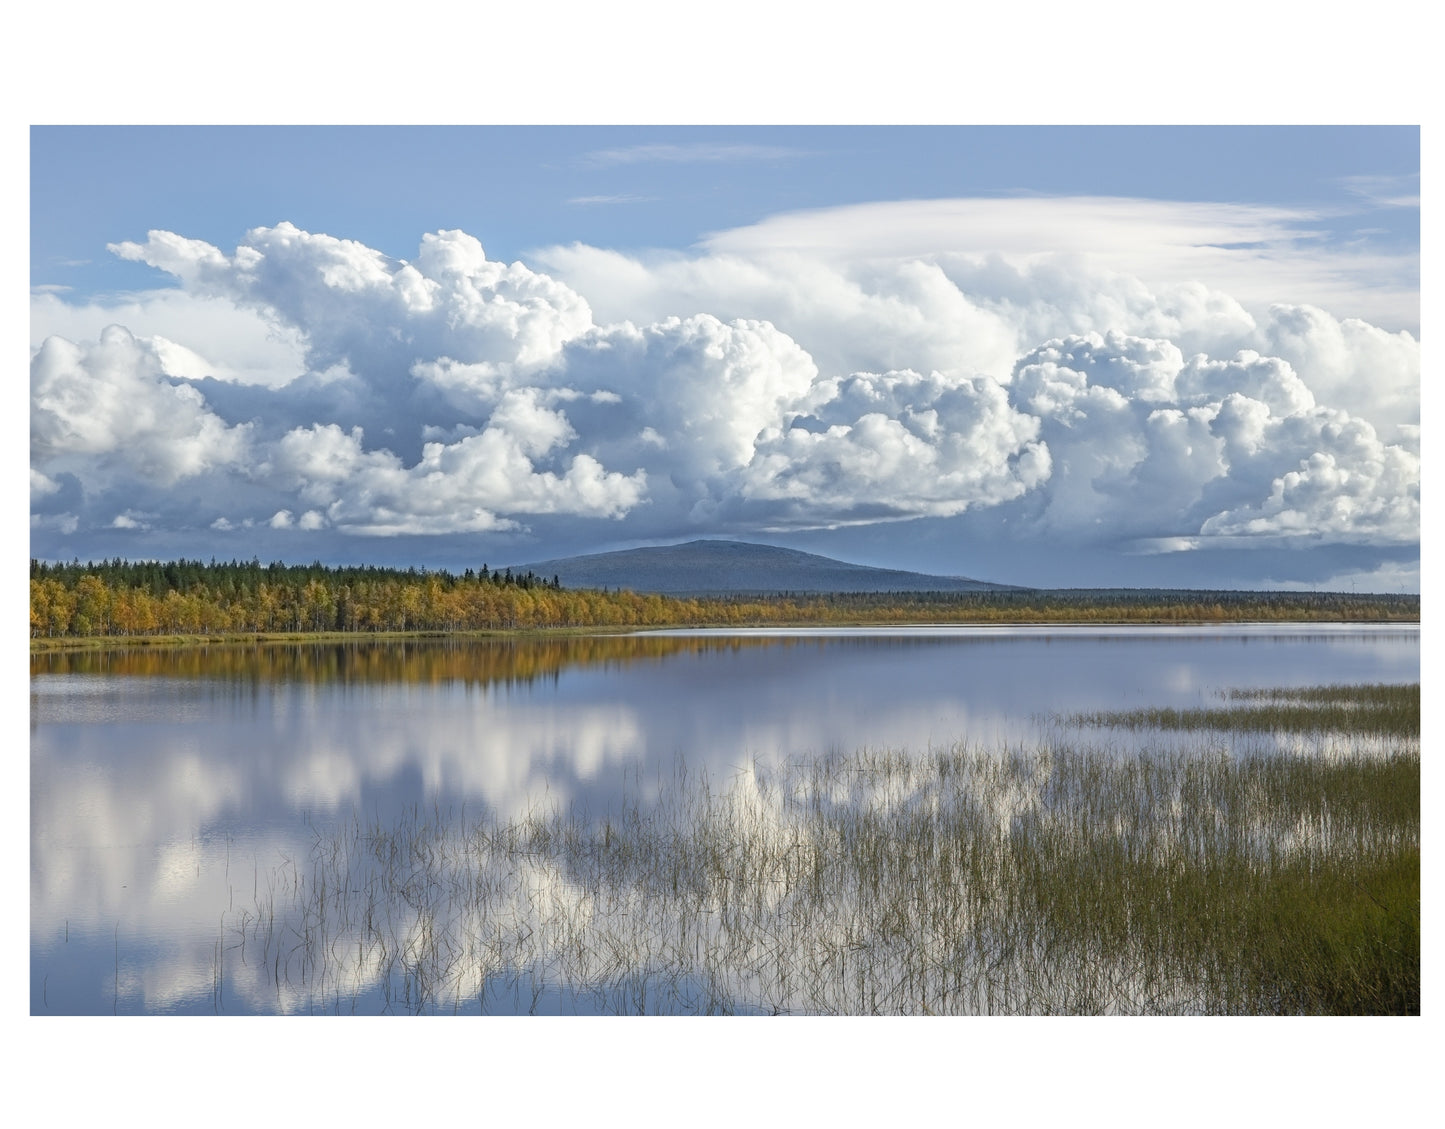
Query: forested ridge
{"points": [[154, 598]]}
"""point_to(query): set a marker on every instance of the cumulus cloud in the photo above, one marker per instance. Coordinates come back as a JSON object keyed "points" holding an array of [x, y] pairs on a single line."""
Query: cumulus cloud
{"points": [[458, 487], [375, 316], [1351, 487], [894, 446], [1350, 363], [710, 387], [734, 424], [848, 318], [194, 336], [108, 409], [788, 376], [967, 287], [1147, 443]]}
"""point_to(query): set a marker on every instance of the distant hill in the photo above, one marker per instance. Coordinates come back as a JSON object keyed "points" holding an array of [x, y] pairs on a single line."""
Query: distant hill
{"points": [[725, 567]]}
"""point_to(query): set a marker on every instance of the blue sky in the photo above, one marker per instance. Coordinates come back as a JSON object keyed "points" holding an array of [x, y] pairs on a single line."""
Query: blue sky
{"points": [[635, 188], [1185, 355]]}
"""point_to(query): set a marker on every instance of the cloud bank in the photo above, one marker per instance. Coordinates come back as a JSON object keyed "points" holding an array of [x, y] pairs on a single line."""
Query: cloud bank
{"points": [[868, 365]]}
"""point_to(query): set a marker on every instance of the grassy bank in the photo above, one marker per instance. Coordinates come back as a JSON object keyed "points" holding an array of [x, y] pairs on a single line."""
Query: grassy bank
{"points": [[46, 645]]}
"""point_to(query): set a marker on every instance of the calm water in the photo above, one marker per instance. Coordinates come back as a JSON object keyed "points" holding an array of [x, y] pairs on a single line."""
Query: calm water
{"points": [[169, 790]]}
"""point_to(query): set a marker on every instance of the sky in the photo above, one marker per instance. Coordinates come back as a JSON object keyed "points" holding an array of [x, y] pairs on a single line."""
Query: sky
{"points": [[644, 234], [1051, 355]]}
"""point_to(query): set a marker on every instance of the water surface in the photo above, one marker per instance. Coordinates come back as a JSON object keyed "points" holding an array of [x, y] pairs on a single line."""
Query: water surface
{"points": [[170, 788]]}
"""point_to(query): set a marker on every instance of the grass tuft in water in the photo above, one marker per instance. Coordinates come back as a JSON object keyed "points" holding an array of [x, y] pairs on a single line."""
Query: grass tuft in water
{"points": [[1050, 879], [1379, 710]]}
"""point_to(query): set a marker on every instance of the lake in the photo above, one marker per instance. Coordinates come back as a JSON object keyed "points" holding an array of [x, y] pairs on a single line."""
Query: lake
{"points": [[188, 806]]}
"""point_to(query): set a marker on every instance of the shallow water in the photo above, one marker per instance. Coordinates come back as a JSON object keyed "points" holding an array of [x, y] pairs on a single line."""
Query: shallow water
{"points": [[171, 791]]}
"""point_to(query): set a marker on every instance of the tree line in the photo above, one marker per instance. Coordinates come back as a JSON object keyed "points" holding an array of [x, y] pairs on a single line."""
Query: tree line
{"points": [[153, 598]]}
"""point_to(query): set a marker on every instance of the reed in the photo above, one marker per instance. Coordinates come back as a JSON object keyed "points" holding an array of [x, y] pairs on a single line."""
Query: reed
{"points": [[1054, 878], [1368, 710]]}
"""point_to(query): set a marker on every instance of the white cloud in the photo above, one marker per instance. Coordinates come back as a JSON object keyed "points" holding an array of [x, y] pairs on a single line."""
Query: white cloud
{"points": [[894, 446], [194, 336], [710, 387], [744, 389], [1352, 487], [975, 312], [895, 316], [1145, 444], [108, 407], [1260, 255], [358, 308], [1349, 363], [1269, 380], [41, 485], [459, 487]]}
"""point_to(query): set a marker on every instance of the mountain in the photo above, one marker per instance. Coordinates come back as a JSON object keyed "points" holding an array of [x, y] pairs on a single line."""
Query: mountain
{"points": [[717, 567]]}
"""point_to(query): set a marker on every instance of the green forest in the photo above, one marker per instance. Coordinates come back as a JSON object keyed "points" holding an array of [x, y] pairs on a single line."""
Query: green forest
{"points": [[155, 600]]}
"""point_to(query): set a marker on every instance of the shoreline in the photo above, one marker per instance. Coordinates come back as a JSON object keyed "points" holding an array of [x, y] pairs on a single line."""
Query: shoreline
{"points": [[49, 645]]}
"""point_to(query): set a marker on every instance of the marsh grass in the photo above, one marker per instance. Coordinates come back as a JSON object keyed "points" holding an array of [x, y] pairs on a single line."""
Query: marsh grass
{"points": [[1370, 710], [1057, 878]]}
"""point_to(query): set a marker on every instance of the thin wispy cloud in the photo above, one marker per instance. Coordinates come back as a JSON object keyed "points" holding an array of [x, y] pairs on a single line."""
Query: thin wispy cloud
{"points": [[692, 153], [619, 198], [1385, 191]]}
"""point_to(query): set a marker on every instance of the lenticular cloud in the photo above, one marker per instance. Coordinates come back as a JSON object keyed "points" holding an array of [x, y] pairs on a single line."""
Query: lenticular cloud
{"points": [[733, 391]]}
